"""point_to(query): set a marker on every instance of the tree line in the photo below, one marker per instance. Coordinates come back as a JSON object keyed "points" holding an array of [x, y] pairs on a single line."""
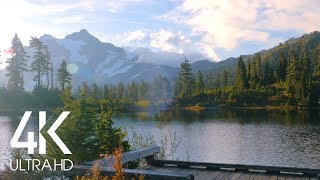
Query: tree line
{"points": [[291, 78]]}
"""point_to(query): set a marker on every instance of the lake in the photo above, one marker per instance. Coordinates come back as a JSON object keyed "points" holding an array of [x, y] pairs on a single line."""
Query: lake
{"points": [[256, 137]]}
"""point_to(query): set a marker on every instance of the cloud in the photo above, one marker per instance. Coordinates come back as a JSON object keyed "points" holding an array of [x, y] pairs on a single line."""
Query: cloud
{"points": [[69, 20], [162, 40], [168, 41], [115, 6], [226, 23], [135, 36]]}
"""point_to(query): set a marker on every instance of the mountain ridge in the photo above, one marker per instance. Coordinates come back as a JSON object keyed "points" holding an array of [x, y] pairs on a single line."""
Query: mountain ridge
{"points": [[105, 63]]}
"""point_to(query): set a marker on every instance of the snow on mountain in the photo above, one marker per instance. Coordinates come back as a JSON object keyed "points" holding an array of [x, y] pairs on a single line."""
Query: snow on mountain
{"points": [[101, 62], [91, 60]]}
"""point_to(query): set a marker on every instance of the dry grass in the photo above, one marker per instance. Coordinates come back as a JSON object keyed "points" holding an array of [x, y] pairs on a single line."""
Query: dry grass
{"points": [[195, 108], [95, 171]]}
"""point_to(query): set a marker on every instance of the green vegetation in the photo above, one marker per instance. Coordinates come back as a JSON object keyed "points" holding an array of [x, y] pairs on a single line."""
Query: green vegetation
{"points": [[292, 81]]}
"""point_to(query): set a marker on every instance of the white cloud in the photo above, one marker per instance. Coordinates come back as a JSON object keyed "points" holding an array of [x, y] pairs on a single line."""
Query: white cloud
{"points": [[135, 36], [168, 41], [69, 20], [224, 23]]}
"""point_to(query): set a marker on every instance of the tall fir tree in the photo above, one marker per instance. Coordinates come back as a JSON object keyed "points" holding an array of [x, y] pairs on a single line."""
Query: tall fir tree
{"points": [[185, 82], [268, 74], [199, 83], [281, 69], [306, 73], [40, 63], [17, 65], [241, 75], [63, 76], [294, 77]]}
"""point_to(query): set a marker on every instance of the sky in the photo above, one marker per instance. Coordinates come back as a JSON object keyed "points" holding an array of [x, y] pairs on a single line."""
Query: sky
{"points": [[217, 29]]}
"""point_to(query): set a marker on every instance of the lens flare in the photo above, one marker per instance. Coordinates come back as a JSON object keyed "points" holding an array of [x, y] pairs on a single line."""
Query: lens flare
{"points": [[72, 68]]}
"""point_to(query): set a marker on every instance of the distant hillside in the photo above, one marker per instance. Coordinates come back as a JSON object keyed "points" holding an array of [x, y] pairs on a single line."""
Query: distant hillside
{"points": [[308, 41]]}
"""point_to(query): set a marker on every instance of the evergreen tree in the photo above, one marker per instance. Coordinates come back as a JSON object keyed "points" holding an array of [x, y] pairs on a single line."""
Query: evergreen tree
{"points": [[40, 63], [306, 73], [316, 60], [199, 83], [63, 76], [249, 70], [185, 82], [225, 78], [241, 79], [120, 89], [48, 64], [95, 92], [109, 137], [256, 72], [281, 69], [16, 65], [294, 78], [268, 74], [133, 91], [105, 92]]}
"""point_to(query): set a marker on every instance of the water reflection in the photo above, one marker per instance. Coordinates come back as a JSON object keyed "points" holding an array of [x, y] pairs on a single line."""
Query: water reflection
{"points": [[280, 138], [277, 137], [9, 121]]}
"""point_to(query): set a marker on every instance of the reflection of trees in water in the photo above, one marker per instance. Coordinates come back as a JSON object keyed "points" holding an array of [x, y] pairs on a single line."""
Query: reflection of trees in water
{"points": [[287, 117]]}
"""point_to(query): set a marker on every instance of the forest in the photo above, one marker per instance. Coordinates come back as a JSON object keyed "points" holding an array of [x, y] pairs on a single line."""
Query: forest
{"points": [[285, 76]]}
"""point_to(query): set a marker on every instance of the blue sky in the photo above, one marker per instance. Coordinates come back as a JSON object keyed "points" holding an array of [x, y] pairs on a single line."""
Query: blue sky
{"points": [[216, 29]]}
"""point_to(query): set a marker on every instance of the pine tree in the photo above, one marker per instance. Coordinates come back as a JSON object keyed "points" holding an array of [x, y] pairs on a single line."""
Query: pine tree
{"points": [[40, 63], [294, 78], [268, 74], [241, 79], [105, 92], [16, 65], [256, 72], [249, 70], [185, 82], [306, 73], [63, 76], [199, 83], [48, 64], [120, 89], [225, 79], [109, 137], [133, 91], [282, 67], [95, 92]]}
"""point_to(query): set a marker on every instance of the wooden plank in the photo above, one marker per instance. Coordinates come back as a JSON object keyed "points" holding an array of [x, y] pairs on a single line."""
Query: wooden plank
{"points": [[266, 177], [289, 177], [240, 167], [207, 174], [281, 177], [245, 176], [297, 177], [236, 176], [81, 170], [128, 156]]}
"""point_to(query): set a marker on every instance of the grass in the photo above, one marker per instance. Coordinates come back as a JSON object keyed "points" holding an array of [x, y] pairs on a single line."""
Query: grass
{"points": [[195, 108], [143, 103], [95, 171]]}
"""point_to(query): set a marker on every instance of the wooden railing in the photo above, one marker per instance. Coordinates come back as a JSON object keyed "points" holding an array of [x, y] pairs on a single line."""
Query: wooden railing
{"points": [[108, 163], [150, 152], [238, 167]]}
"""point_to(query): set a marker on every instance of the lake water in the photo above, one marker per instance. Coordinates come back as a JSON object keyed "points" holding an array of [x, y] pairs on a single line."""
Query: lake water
{"points": [[279, 138]]}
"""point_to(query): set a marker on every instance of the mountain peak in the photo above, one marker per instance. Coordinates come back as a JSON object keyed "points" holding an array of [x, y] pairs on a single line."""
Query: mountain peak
{"points": [[83, 35]]}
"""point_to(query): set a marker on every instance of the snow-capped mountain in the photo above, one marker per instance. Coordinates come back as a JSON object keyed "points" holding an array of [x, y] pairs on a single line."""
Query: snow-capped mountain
{"points": [[91, 60]]}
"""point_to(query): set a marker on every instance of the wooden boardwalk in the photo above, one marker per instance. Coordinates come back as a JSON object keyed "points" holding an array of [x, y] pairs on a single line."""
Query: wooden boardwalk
{"points": [[205, 174], [183, 170]]}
